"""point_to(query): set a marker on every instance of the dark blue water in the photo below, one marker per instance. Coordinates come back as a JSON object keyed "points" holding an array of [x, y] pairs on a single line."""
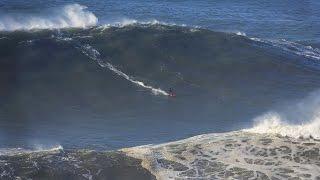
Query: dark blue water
{"points": [[56, 91]]}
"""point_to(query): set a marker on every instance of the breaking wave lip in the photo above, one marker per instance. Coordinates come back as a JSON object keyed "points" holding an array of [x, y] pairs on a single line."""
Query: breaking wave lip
{"points": [[274, 122], [128, 22], [69, 16], [17, 151]]}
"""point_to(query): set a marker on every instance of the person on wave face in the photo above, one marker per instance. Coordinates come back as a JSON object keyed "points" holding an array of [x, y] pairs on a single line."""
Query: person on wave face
{"points": [[171, 93]]}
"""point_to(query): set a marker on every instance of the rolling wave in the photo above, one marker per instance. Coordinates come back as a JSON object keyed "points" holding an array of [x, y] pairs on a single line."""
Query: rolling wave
{"points": [[69, 16]]}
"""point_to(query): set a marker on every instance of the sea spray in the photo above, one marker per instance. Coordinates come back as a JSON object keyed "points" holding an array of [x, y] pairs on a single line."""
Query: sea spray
{"points": [[306, 112], [69, 16]]}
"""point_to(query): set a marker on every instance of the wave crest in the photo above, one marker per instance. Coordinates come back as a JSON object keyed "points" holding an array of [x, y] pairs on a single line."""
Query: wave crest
{"points": [[70, 16]]}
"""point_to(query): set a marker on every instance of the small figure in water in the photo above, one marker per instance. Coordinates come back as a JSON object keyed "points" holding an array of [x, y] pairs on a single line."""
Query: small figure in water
{"points": [[171, 93]]}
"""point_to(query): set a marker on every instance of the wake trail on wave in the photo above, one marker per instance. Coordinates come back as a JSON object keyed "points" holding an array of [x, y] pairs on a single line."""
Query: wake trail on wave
{"points": [[307, 112], [287, 46], [292, 47], [68, 16], [93, 54]]}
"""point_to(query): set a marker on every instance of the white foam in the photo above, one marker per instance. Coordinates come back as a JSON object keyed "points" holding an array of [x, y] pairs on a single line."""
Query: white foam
{"points": [[69, 16], [288, 46], [95, 55], [129, 22], [227, 156], [306, 111], [274, 124], [38, 148], [239, 33]]}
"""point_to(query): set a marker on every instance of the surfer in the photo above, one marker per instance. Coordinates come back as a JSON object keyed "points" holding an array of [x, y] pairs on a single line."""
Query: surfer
{"points": [[171, 93]]}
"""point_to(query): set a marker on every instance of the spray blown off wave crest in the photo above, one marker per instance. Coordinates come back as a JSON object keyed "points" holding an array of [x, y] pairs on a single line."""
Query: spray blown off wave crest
{"points": [[69, 16], [307, 113]]}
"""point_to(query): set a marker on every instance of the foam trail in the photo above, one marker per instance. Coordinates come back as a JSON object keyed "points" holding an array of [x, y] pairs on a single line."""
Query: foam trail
{"points": [[292, 47], [70, 16], [95, 55], [288, 46], [307, 112]]}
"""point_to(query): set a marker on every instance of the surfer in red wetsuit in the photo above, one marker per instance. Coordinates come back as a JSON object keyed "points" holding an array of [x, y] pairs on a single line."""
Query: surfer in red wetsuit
{"points": [[171, 93]]}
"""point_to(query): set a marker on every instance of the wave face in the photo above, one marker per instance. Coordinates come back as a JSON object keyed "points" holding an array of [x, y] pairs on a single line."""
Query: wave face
{"points": [[119, 77], [69, 16], [95, 55]]}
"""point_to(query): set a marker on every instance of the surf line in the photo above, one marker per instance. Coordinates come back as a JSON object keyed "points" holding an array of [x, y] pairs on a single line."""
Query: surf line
{"points": [[93, 54]]}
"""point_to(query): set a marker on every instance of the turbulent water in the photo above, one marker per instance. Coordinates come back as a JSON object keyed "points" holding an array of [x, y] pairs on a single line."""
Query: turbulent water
{"points": [[79, 86]]}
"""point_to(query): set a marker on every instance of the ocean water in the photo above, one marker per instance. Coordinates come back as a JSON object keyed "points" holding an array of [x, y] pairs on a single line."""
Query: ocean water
{"points": [[79, 78]]}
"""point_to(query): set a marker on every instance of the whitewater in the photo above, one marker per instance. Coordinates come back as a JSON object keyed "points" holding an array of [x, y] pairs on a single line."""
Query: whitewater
{"points": [[69, 16], [306, 112]]}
